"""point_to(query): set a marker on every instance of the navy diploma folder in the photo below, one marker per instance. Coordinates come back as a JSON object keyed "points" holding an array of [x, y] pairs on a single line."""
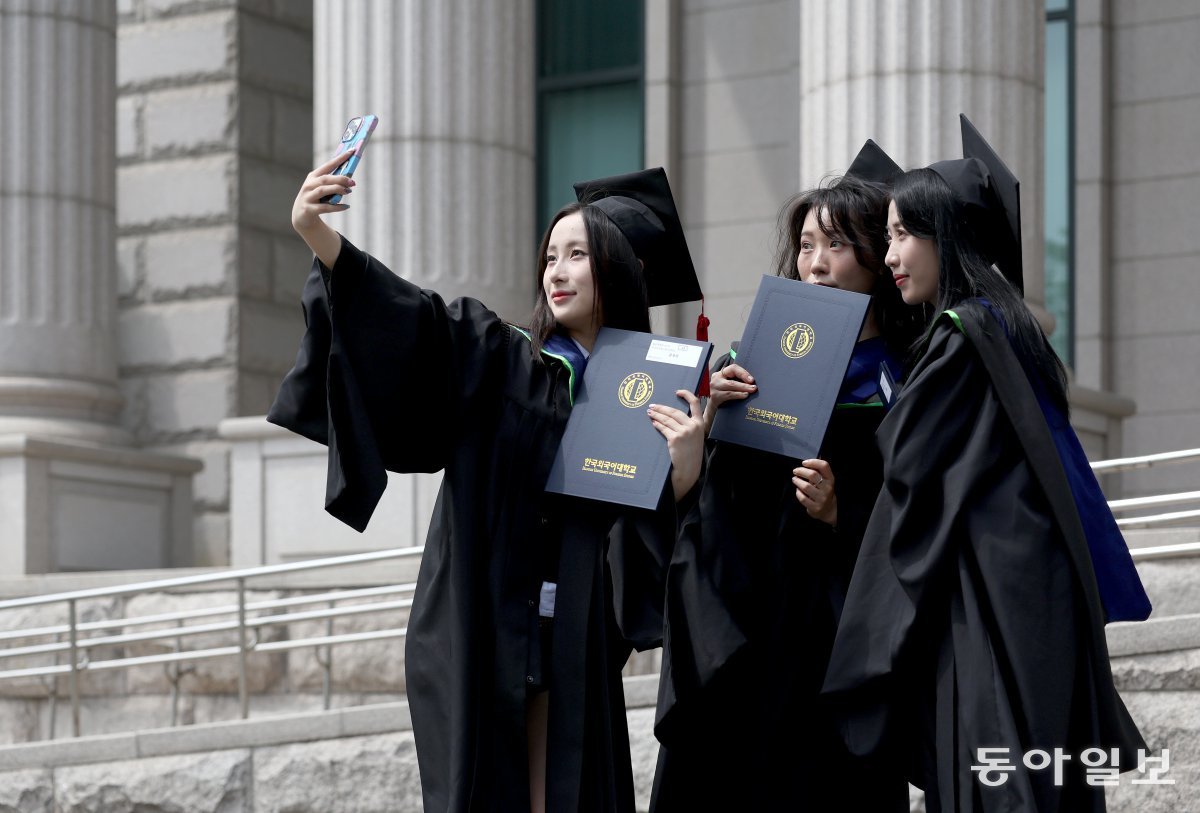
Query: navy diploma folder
{"points": [[610, 451], [797, 345]]}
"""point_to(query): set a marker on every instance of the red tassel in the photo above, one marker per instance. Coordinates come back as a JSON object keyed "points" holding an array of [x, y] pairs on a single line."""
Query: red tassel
{"points": [[702, 323]]}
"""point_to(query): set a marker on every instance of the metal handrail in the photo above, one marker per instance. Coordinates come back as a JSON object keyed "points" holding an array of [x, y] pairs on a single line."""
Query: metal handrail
{"points": [[1182, 498], [1165, 551], [204, 629], [77, 646], [1102, 467], [1145, 461], [209, 578], [200, 612], [1156, 520]]}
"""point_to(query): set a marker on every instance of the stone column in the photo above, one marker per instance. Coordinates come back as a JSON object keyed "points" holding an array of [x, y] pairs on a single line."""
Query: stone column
{"points": [[72, 495], [902, 72], [446, 185], [57, 233]]}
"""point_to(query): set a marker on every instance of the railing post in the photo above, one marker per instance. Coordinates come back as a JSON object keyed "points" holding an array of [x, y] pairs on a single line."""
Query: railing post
{"points": [[243, 692], [327, 663], [175, 674], [73, 675]]}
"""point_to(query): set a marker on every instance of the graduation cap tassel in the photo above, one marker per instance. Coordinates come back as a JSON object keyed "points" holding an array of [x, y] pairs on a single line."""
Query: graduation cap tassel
{"points": [[702, 323]]}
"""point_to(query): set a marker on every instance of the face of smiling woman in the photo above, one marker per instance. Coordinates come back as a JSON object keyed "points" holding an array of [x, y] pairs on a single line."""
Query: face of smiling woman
{"points": [[567, 280], [913, 260]]}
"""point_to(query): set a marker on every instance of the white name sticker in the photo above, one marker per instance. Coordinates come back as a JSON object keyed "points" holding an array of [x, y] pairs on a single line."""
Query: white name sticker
{"points": [[887, 389], [685, 355]]}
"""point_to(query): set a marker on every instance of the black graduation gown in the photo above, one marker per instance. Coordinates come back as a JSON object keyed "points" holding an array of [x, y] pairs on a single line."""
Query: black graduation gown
{"points": [[973, 618], [391, 377], [754, 592]]}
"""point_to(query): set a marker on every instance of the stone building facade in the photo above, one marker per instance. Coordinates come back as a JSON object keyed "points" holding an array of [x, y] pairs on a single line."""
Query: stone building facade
{"points": [[184, 127]]}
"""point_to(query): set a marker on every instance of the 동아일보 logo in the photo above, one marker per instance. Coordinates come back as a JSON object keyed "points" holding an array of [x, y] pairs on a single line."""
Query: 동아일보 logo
{"points": [[797, 340], [635, 390]]}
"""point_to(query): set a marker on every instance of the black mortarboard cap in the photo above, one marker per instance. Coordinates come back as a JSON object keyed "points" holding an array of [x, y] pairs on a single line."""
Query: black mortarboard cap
{"points": [[990, 197], [642, 207], [874, 165]]}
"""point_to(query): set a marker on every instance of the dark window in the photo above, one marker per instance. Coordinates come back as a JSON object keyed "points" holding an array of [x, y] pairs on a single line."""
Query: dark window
{"points": [[1059, 206], [589, 93]]}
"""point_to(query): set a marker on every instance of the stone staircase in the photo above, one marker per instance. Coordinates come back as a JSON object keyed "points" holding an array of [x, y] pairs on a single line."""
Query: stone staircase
{"points": [[1156, 665], [358, 757]]}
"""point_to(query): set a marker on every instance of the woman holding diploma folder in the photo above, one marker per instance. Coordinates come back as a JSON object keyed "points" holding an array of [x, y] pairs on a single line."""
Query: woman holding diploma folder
{"points": [[762, 565], [973, 631], [527, 604]]}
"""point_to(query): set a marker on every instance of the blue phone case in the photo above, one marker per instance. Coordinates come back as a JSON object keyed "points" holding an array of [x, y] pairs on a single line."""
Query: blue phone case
{"points": [[354, 138]]}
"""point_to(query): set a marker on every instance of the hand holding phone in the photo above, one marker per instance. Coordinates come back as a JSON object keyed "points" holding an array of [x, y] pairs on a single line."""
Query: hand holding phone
{"points": [[354, 137]]}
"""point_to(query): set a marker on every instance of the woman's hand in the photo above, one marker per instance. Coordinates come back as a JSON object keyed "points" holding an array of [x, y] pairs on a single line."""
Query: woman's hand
{"points": [[813, 480], [730, 383], [685, 440], [307, 209]]}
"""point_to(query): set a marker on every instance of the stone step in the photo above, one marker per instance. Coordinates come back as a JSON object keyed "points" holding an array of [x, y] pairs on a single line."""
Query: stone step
{"points": [[1172, 582], [1155, 537], [306, 763]]}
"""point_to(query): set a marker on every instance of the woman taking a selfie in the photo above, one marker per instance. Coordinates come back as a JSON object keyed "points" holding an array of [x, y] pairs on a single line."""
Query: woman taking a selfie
{"points": [[975, 617], [527, 604]]}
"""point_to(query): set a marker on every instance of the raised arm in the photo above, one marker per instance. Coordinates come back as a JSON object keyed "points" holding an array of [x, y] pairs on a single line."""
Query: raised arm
{"points": [[307, 209]]}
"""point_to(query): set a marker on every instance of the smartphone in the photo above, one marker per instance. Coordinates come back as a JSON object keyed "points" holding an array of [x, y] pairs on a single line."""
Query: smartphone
{"points": [[354, 137]]}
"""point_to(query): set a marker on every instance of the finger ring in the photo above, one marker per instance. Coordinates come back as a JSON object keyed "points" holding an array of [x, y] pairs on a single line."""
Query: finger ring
{"points": [[818, 483]]}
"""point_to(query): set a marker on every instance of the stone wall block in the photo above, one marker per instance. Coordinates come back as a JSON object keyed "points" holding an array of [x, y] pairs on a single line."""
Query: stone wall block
{"points": [[213, 675], [291, 132], [194, 47], [299, 15], [189, 262], [354, 775], [177, 334], [168, 8], [268, 335], [113, 714], [149, 194], [172, 407], [129, 136], [257, 391], [129, 266], [255, 262], [292, 262], [1164, 671], [214, 782], [18, 723], [368, 666], [274, 56], [1167, 720], [266, 193], [210, 538], [210, 488], [728, 42], [191, 119], [27, 792], [90, 683]]}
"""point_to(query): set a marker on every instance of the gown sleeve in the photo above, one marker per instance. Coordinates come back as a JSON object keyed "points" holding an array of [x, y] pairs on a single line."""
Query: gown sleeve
{"points": [[386, 377]]}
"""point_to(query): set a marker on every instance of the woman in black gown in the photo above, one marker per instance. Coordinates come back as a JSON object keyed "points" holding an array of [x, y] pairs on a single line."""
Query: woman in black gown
{"points": [[762, 565], [975, 618], [527, 604]]}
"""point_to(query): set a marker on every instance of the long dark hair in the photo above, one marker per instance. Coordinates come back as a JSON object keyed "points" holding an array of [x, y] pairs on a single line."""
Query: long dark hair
{"points": [[855, 212], [617, 277], [927, 208]]}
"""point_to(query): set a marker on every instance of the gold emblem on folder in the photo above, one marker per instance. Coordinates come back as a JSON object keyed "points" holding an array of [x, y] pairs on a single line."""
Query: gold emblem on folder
{"points": [[635, 390], [797, 340]]}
